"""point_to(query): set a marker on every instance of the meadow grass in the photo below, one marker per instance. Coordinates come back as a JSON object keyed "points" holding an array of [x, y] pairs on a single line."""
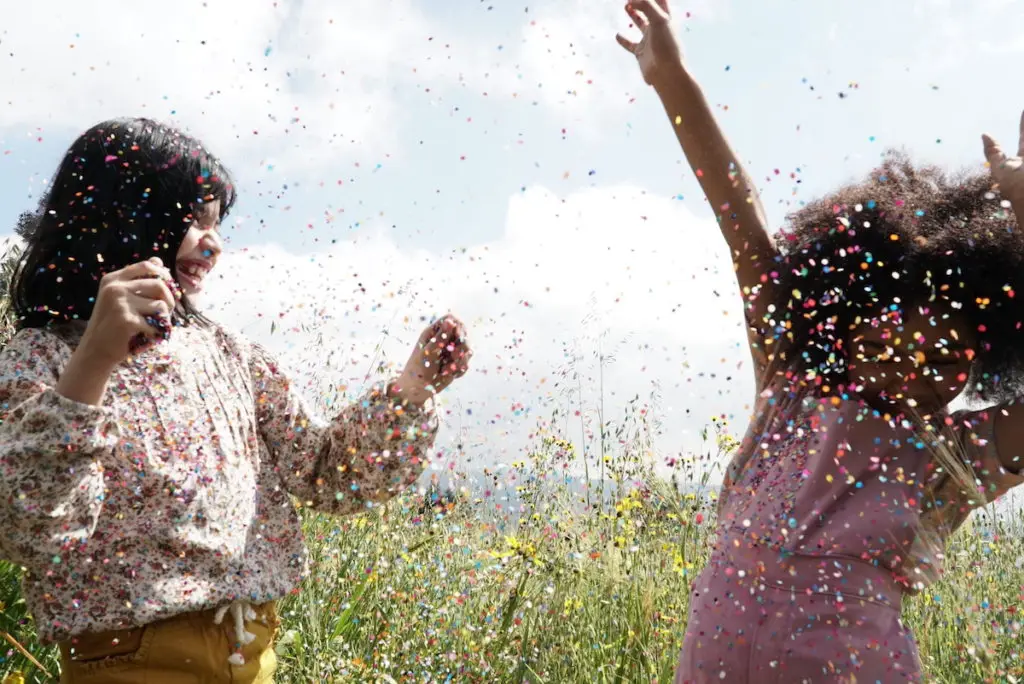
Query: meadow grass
{"points": [[563, 590]]}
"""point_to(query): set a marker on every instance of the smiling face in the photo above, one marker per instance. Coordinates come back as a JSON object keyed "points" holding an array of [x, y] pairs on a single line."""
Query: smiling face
{"points": [[918, 362], [199, 251]]}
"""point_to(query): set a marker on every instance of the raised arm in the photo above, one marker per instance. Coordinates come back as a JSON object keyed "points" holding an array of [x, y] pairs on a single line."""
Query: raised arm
{"points": [[367, 454], [728, 188], [373, 449], [1008, 421]]}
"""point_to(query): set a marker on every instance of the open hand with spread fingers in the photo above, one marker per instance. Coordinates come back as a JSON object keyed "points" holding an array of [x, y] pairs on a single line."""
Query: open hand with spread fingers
{"points": [[658, 49], [1007, 170]]}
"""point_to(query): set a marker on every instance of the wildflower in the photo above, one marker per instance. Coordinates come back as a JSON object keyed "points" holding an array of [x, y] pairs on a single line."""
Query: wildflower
{"points": [[630, 502], [516, 548], [571, 605]]}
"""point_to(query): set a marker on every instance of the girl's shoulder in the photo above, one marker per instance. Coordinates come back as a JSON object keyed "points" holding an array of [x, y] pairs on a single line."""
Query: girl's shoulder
{"points": [[226, 340], [36, 352], [233, 343], [793, 399], [58, 338]]}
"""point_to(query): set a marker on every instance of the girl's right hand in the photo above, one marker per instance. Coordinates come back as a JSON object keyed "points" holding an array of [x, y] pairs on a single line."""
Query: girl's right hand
{"points": [[1008, 170], [132, 311], [658, 50]]}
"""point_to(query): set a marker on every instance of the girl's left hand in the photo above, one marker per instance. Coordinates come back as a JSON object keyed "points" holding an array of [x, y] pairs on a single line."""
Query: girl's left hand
{"points": [[440, 357], [1008, 172], [658, 51]]}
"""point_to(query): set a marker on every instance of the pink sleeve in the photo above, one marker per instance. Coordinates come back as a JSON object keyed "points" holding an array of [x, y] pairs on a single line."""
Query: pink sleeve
{"points": [[371, 451], [976, 437], [51, 455]]}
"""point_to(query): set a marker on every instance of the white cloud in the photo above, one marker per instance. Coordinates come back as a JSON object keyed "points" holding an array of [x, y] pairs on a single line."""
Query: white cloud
{"points": [[563, 56], [952, 32], [637, 272], [294, 79], [299, 83], [566, 60]]}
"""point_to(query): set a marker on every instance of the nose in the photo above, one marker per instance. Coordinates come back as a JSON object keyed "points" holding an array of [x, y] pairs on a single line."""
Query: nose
{"points": [[212, 244]]}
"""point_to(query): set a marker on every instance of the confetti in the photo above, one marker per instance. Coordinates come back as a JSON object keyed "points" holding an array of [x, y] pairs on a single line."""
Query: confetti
{"points": [[568, 518]]}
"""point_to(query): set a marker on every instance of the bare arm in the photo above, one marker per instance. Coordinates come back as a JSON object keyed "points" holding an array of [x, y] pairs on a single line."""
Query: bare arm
{"points": [[726, 184], [85, 378], [1008, 174], [731, 193], [1009, 436], [728, 188]]}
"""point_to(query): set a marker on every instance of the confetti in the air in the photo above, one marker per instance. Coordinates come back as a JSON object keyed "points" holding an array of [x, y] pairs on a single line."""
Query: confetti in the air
{"points": [[475, 343]]}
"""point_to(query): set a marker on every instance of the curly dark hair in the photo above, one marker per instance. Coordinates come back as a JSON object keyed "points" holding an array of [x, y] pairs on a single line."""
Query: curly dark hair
{"points": [[905, 236]]}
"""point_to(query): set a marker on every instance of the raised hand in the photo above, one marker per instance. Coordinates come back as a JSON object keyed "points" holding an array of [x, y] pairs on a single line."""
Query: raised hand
{"points": [[132, 312], [658, 49], [1007, 170], [440, 357]]}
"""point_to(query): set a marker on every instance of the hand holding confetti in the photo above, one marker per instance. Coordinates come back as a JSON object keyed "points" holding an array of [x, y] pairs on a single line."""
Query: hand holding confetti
{"points": [[1007, 171], [658, 49], [440, 357], [133, 311]]}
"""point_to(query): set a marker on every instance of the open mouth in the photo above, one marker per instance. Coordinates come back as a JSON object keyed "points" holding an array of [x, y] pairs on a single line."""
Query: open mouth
{"points": [[192, 273]]}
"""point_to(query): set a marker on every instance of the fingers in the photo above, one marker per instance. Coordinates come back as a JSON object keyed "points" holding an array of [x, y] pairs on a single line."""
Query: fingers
{"points": [[445, 340], [442, 328], [153, 289], [627, 44], [652, 13], [1020, 143], [147, 306], [151, 268], [460, 368], [152, 323], [442, 355], [639, 20], [152, 316], [456, 354], [994, 154]]}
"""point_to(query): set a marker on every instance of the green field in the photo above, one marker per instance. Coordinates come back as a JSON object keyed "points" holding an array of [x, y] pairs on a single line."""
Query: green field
{"points": [[464, 592]]}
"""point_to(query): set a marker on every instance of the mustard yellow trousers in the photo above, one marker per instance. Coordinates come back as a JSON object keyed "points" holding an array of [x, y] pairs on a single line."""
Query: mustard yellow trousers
{"points": [[184, 649]]}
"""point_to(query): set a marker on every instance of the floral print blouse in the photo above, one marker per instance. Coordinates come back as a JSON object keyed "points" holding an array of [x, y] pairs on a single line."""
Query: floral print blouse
{"points": [[175, 494]]}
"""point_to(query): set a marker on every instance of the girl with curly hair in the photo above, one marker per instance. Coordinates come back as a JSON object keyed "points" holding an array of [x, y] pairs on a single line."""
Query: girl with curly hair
{"points": [[875, 309]]}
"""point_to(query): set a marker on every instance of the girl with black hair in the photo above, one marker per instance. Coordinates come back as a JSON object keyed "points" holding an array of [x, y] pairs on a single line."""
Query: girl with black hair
{"points": [[876, 308], [147, 455]]}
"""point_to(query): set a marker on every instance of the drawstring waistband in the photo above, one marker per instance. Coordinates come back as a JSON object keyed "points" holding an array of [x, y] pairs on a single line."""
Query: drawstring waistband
{"points": [[241, 611], [92, 646]]}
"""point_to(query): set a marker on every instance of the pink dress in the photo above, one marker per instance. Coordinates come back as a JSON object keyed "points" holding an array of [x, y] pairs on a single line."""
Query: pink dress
{"points": [[820, 532]]}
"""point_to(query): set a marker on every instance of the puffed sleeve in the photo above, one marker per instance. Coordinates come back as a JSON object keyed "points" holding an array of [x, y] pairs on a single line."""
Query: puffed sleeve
{"points": [[368, 453], [52, 451]]}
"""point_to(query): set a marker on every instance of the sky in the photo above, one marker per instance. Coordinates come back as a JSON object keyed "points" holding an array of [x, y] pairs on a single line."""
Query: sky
{"points": [[399, 159]]}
